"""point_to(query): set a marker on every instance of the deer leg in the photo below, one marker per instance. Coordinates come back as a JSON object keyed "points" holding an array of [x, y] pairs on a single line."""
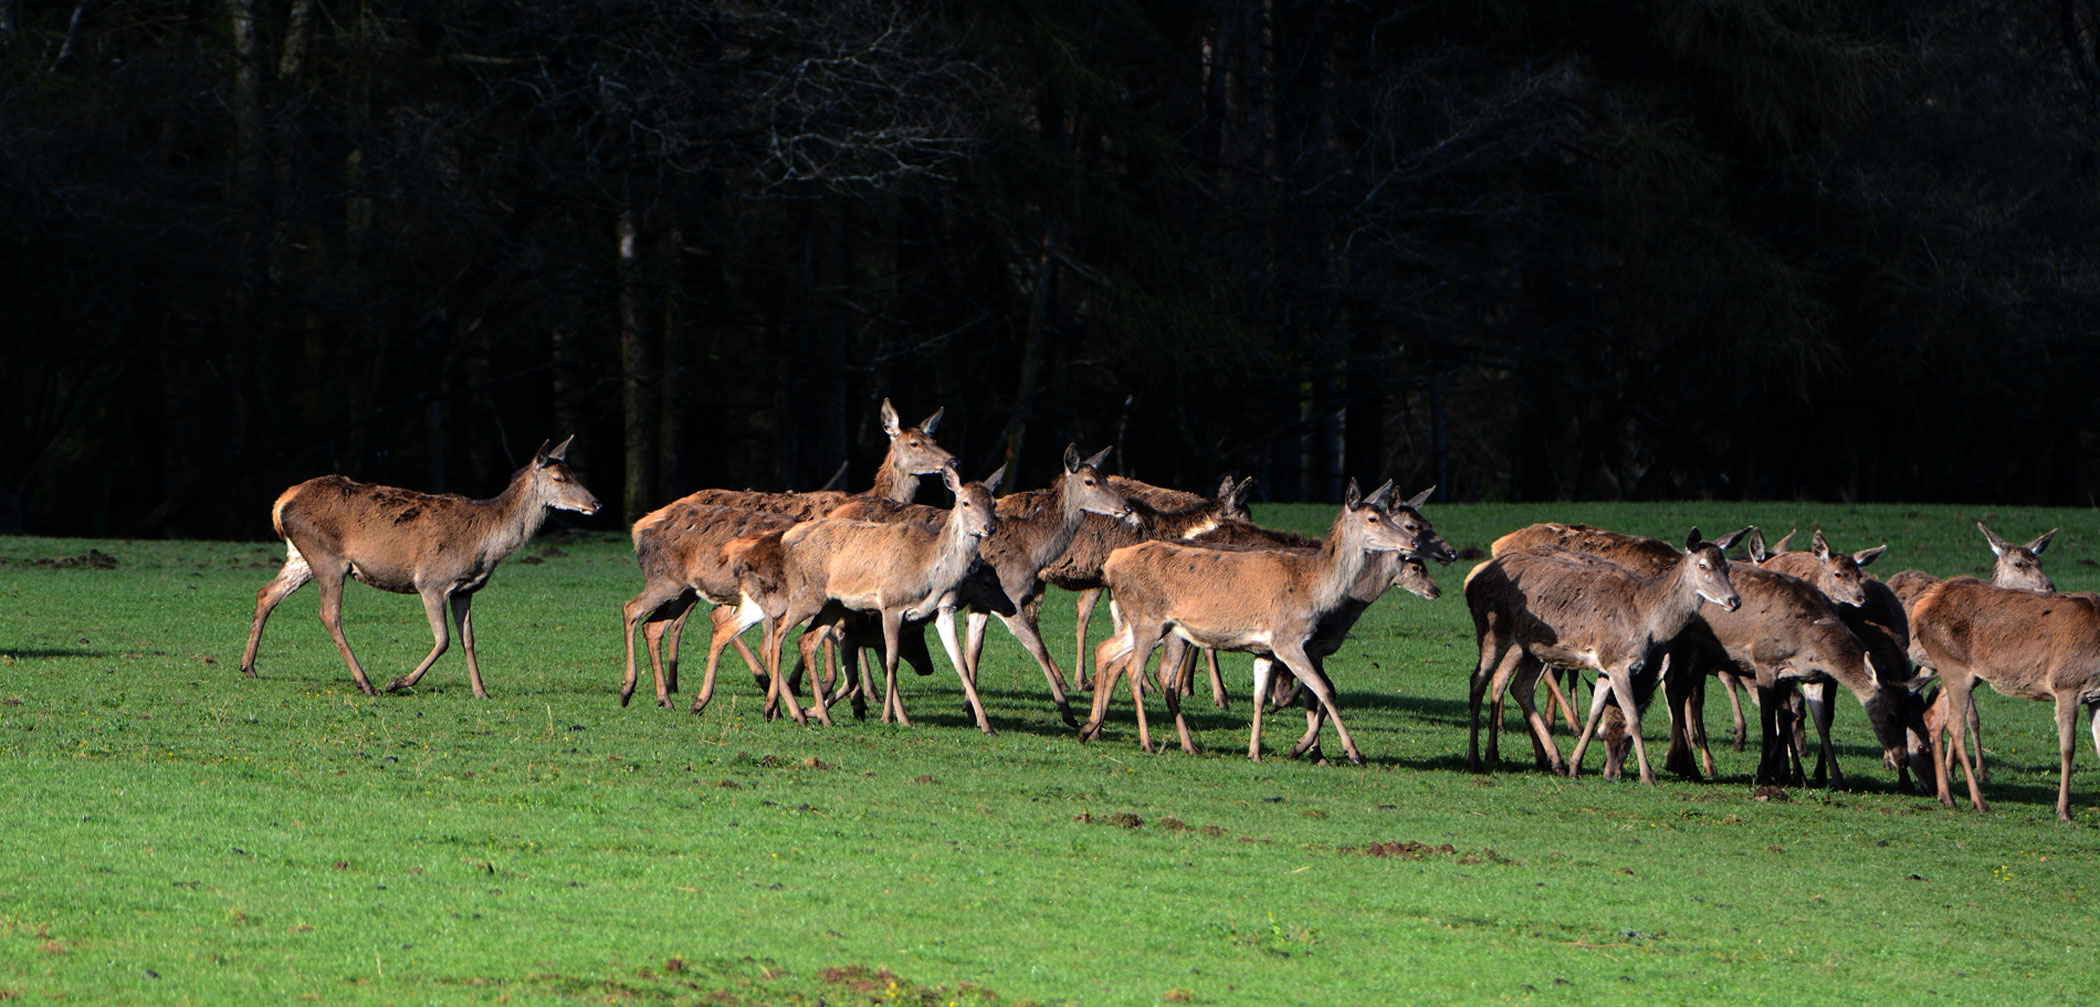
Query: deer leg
{"points": [[831, 641], [2092, 710], [1523, 684], [1218, 696], [1600, 693], [1264, 681], [332, 620], [1732, 684], [1183, 658], [1684, 699], [1983, 771], [1309, 744], [291, 578], [433, 606], [729, 625], [1023, 627], [2067, 746], [1957, 722], [1134, 671], [1105, 660], [1494, 653], [1633, 723], [1773, 749], [645, 607], [667, 683], [463, 615], [1083, 612], [1819, 711], [1295, 658]]}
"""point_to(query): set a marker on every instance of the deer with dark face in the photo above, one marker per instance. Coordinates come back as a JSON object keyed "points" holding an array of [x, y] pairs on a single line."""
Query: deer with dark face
{"points": [[440, 546], [1553, 606]]}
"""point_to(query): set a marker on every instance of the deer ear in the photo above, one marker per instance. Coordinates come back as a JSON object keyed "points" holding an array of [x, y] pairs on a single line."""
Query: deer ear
{"points": [[1352, 496], [1692, 541], [1235, 497], [1756, 545], [926, 425], [2041, 543], [991, 482], [950, 479], [1866, 556], [1725, 542], [1784, 541], [1998, 545], [1421, 498], [889, 419], [1100, 456], [1821, 546], [1071, 457], [1377, 497]]}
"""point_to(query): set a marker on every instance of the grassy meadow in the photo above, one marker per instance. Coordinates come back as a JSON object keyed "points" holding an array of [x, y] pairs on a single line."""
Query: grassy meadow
{"points": [[176, 833]]}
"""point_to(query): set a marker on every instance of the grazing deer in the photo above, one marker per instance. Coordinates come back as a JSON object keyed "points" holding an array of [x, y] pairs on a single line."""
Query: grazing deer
{"points": [[1263, 601], [441, 546], [1536, 607], [1079, 569], [678, 545], [901, 569], [2025, 644], [1035, 528]]}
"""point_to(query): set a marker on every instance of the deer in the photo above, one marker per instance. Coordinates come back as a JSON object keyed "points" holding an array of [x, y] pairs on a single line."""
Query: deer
{"points": [[2026, 644], [1870, 608], [1079, 569], [1035, 528], [912, 454], [902, 570], [439, 545], [1541, 606], [2018, 567], [678, 545], [1382, 572], [1267, 602]]}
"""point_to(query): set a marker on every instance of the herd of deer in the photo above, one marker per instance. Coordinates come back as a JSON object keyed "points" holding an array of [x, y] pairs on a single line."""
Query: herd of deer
{"points": [[1187, 572]]}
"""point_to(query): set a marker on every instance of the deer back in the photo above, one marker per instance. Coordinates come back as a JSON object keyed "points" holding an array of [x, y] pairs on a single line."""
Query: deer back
{"points": [[2025, 643], [687, 544]]}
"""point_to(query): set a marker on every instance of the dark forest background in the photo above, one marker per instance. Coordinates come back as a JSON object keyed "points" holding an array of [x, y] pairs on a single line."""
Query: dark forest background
{"points": [[1828, 249]]}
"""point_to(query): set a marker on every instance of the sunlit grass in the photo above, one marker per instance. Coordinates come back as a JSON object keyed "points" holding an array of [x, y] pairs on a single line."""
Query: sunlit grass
{"points": [[178, 833]]}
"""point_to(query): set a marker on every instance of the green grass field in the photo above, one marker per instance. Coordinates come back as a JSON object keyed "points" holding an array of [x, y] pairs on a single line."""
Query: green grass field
{"points": [[179, 834]]}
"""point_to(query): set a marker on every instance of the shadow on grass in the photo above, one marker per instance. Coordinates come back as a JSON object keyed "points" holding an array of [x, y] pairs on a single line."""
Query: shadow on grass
{"points": [[52, 652]]}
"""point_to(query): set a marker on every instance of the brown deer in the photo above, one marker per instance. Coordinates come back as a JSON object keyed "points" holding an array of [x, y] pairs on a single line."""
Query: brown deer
{"points": [[1035, 528], [441, 546], [1262, 601], [678, 545], [2026, 644], [1535, 607], [1384, 570], [1079, 569], [912, 454], [900, 569], [2018, 567]]}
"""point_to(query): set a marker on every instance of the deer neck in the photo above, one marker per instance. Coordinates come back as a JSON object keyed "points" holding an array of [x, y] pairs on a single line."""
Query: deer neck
{"points": [[892, 482], [513, 516], [1668, 603], [954, 551], [1338, 563]]}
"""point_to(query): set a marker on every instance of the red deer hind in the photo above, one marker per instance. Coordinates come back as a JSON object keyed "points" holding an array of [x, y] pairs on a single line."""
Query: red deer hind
{"points": [[441, 546]]}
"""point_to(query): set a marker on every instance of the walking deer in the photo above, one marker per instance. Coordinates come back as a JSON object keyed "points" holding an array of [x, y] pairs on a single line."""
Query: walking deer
{"points": [[1079, 569], [2025, 644], [441, 546], [1263, 601], [678, 545], [1035, 528], [1536, 607], [912, 454], [1382, 571], [900, 569]]}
